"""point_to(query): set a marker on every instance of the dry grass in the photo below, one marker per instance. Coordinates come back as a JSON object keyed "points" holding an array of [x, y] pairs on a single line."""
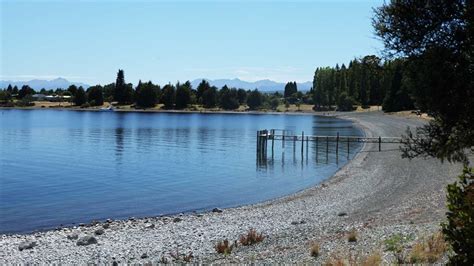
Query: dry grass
{"points": [[314, 250], [224, 247], [430, 250], [334, 261], [252, 237], [352, 236], [372, 260]]}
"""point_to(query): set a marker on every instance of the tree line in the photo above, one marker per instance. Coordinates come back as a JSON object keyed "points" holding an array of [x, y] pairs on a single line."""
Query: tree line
{"points": [[366, 81], [171, 96]]}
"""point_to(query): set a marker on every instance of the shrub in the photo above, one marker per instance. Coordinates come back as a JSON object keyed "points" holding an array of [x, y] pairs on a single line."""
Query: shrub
{"points": [[314, 251], [395, 242], [459, 229], [352, 236], [345, 103], [224, 247], [430, 250], [252, 237], [372, 259]]}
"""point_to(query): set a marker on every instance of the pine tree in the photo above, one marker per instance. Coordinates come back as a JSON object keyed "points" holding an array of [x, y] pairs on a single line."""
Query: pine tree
{"points": [[120, 88], [80, 97]]}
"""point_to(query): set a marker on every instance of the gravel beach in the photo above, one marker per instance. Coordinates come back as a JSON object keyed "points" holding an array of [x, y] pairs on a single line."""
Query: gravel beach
{"points": [[377, 194]]}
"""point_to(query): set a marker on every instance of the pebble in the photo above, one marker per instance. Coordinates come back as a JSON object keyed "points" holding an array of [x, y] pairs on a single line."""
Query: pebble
{"points": [[149, 226], [26, 245], [217, 210], [99, 232], [177, 220], [86, 240], [72, 236]]}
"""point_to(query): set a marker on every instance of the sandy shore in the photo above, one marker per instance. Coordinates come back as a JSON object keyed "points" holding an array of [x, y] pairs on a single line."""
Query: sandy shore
{"points": [[378, 194]]}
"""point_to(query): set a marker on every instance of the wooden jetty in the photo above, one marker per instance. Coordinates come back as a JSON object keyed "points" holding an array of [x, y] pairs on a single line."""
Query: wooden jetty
{"points": [[274, 135]]}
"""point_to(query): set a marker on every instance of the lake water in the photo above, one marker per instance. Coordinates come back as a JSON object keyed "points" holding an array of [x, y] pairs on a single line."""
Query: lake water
{"points": [[64, 167]]}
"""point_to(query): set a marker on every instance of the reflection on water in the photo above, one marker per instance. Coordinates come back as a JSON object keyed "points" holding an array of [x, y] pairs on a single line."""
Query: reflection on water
{"points": [[63, 167]]}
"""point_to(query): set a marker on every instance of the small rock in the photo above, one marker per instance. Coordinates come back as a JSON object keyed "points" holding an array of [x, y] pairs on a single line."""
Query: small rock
{"points": [[342, 214], [217, 210], [86, 240], [144, 256], [177, 220], [99, 231], [149, 226], [72, 236], [302, 222], [199, 215], [295, 222], [26, 245], [108, 221], [105, 226]]}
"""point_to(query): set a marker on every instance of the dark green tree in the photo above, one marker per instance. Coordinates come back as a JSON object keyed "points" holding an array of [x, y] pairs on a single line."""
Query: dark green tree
{"points": [[24, 91], [80, 97], [290, 89], [439, 54], [146, 96], [72, 89], [168, 96], [459, 228], [122, 89], [95, 95], [183, 95], [254, 100], [202, 87], [242, 95], [228, 99], [209, 97], [345, 102], [109, 92], [436, 39]]}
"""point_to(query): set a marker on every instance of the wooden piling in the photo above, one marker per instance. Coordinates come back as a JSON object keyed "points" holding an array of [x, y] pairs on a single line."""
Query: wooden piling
{"points": [[317, 148], [302, 142], [348, 146], [273, 140], [294, 144], [337, 144], [380, 143]]}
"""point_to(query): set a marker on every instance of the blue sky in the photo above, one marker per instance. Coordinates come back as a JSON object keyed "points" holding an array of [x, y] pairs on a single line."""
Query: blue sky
{"points": [[164, 41]]}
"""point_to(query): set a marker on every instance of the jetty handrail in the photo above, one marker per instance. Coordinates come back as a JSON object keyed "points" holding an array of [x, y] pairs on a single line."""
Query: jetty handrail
{"points": [[264, 135]]}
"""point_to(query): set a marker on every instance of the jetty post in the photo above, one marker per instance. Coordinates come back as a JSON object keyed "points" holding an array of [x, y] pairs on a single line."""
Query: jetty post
{"points": [[337, 144], [380, 143], [348, 147], [317, 149], [302, 142], [294, 144]]}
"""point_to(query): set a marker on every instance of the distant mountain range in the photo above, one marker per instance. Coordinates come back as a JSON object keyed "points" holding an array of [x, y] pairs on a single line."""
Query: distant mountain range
{"points": [[38, 84], [262, 85]]}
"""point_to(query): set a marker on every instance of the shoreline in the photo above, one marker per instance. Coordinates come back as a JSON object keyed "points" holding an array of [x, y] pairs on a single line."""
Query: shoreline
{"points": [[355, 189], [176, 111]]}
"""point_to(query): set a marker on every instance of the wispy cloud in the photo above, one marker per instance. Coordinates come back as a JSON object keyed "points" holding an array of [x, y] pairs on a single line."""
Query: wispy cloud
{"points": [[279, 73]]}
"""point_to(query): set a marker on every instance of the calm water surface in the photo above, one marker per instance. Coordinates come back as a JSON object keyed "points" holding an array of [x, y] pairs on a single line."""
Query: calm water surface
{"points": [[64, 167]]}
